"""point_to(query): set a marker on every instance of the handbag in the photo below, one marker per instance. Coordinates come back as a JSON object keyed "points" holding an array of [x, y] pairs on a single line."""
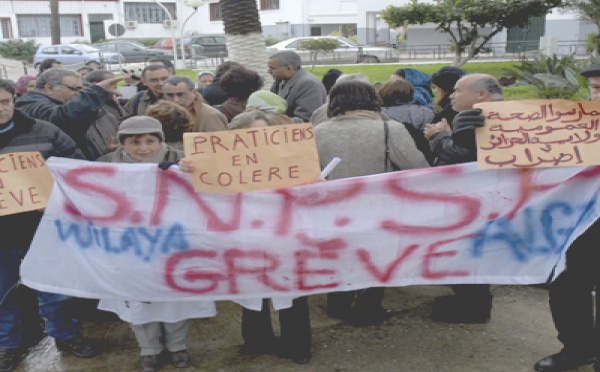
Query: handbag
{"points": [[389, 164]]}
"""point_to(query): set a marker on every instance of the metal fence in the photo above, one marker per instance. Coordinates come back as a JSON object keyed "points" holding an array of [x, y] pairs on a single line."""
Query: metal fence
{"points": [[511, 49]]}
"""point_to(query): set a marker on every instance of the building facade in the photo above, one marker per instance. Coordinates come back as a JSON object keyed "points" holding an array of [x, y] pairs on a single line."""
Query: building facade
{"points": [[90, 20]]}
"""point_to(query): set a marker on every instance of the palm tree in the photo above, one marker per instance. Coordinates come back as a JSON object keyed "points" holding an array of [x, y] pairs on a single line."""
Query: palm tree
{"points": [[245, 41], [54, 22]]}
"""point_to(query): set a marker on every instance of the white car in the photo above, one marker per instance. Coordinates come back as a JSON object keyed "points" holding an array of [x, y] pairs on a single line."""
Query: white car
{"points": [[347, 51]]}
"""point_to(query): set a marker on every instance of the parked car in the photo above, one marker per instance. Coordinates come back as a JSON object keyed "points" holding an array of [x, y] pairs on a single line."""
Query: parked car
{"points": [[347, 51], [132, 52], [201, 45], [77, 55]]}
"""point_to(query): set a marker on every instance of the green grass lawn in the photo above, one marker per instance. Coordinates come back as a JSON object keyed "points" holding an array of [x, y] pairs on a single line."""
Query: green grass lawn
{"points": [[382, 72]]}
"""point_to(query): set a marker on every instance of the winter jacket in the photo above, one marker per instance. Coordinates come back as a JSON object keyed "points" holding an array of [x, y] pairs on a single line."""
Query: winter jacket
{"points": [[303, 92], [73, 117], [357, 137], [411, 114], [29, 134]]}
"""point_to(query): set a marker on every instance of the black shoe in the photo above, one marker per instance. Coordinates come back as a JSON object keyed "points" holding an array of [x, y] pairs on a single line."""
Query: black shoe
{"points": [[9, 358], [181, 359], [563, 362], [458, 309], [78, 346], [295, 356], [369, 318], [150, 363]]}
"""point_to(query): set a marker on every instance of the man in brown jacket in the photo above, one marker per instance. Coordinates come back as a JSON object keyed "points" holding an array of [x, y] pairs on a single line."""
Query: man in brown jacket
{"points": [[181, 90]]}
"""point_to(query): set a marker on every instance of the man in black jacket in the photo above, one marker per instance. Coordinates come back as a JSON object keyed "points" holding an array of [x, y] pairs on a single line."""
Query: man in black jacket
{"points": [[61, 99], [21, 133]]}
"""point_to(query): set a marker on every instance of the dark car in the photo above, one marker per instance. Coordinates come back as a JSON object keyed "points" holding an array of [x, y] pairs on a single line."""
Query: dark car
{"points": [[201, 45], [132, 52]]}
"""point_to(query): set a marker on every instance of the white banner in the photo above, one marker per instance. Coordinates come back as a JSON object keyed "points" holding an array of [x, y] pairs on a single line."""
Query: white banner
{"points": [[124, 231]]}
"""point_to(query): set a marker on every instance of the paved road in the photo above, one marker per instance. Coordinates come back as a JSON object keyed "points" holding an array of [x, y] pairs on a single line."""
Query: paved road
{"points": [[521, 332]]}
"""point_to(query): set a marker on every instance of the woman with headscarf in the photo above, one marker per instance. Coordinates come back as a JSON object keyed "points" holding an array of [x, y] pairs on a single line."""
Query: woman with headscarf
{"points": [[25, 84]]}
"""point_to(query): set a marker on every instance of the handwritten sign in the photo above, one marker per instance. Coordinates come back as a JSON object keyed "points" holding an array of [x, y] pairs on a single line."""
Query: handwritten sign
{"points": [[109, 227], [539, 133], [253, 159], [25, 182]]}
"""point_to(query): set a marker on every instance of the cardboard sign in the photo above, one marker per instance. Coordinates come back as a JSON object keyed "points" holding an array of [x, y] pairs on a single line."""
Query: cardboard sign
{"points": [[539, 133], [25, 182], [253, 159]]}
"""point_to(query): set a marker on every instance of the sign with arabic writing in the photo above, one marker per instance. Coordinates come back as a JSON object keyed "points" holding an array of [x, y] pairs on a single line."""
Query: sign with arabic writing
{"points": [[539, 133], [253, 159]]}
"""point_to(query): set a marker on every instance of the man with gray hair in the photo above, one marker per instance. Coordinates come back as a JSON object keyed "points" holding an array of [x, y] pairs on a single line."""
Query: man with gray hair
{"points": [[61, 99], [302, 90], [182, 90], [471, 303]]}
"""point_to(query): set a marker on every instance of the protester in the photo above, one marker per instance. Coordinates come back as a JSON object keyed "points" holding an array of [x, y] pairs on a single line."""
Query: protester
{"points": [[398, 103], [239, 83], [397, 97], [302, 90], [471, 303], [356, 133], [165, 62], [180, 89], [154, 77], [61, 99], [269, 103], [320, 114], [443, 83], [83, 71], [161, 325], [49, 63], [573, 294], [175, 120], [19, 132], [330, 78], [213, 94], [204, 78], [104, 129], [26, 83], [420, 81]]}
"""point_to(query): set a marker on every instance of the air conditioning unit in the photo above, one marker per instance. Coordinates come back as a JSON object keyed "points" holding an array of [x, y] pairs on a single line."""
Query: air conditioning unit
{"points": [[170, 24], [131, 24]]}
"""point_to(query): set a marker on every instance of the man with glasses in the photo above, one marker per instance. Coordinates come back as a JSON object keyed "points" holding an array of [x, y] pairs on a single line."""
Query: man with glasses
{"points": [[302, 90], [61, 99], [181, 90]]}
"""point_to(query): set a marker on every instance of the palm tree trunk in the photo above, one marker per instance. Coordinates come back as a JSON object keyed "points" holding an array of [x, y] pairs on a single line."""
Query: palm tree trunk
{"points": [[54, 22], [245, 41]]}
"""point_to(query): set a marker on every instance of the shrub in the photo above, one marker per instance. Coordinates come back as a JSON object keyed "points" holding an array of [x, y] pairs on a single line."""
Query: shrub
{"points": [[316, 46], [19, 49]]}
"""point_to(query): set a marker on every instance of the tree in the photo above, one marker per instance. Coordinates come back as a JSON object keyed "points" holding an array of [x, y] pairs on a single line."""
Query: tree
{"points": [[590, 11], [245, 41], [54, 22], [469, 23], [316, 46]]}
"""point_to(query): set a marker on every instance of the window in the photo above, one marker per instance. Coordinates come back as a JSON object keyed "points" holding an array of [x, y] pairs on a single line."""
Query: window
{"points": [[215, 12], [269, 4], [149, 12], [6, 29], [38, 25]]}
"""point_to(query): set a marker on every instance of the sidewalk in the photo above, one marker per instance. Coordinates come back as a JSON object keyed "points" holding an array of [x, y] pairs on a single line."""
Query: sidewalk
{"points": [[520, 333]]}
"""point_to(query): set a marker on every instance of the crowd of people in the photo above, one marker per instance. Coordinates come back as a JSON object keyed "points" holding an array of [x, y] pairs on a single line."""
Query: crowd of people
{"points": [[411, 121]]}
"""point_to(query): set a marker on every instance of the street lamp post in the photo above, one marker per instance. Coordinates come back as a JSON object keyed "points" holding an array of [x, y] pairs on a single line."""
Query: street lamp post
{"points": [[172, 31], [194, 4]]}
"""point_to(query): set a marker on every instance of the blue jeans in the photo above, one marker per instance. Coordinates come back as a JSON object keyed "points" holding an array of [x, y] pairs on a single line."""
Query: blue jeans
{"points": [[53, 307]]}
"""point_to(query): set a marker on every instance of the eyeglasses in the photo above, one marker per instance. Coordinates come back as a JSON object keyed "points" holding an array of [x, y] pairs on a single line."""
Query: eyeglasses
{"points": [[72, 88]]}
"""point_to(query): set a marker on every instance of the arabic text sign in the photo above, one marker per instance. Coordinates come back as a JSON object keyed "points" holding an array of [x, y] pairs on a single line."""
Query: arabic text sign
{"points": [[25, 182], [253, 159], [539, 133], [104, 235]]}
